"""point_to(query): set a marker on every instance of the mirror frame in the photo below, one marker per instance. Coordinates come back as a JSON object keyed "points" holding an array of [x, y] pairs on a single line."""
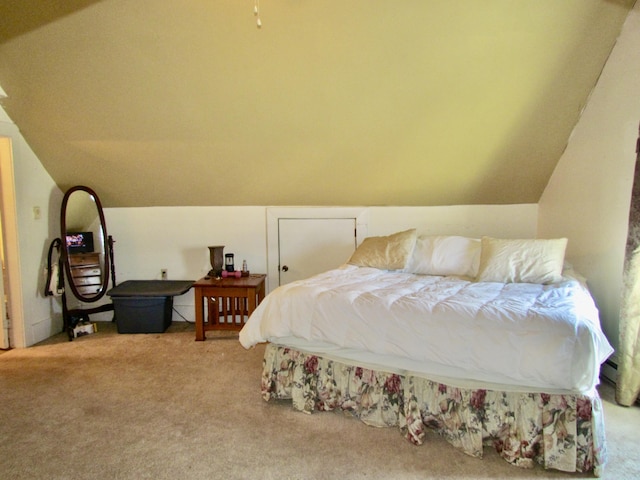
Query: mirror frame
{"points": [[105, 246]]}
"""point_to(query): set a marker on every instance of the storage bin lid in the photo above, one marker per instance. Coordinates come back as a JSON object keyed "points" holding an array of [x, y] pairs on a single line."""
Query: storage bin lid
{"points": [[151, 288]]}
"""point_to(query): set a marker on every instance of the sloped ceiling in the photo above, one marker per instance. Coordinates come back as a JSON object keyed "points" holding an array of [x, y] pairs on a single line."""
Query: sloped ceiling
{"points": [[332, 102]]}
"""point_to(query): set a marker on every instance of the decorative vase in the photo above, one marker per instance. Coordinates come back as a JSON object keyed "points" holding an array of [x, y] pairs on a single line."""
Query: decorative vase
{"points": [[217, 259]]}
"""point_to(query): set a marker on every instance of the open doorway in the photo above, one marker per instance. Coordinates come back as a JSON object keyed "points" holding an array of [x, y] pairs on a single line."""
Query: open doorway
{"points": [[11, 326], [4, 299], [4, 318]]}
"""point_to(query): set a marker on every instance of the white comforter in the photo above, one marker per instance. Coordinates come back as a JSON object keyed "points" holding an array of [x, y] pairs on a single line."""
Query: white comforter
{"points": [[541, 336]]}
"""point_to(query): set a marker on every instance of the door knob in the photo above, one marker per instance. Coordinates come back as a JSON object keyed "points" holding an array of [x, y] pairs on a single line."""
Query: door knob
{"points": [[285, 268]]}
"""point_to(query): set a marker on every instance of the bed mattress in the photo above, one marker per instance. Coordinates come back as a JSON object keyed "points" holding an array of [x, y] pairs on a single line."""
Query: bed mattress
{"points": [[515, 335]]}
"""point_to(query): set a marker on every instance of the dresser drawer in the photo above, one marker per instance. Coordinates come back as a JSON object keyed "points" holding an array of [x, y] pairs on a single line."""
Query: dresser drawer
{"points": [[83, 259], [95, 280], [88, 289], [85, 272]]}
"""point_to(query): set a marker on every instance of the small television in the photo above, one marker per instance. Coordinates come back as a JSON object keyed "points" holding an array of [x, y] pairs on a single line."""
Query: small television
{"points": [[79, 242]]}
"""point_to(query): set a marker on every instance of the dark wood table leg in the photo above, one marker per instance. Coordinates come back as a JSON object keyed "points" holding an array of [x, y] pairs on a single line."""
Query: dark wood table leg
{"points": [[199, 314]]}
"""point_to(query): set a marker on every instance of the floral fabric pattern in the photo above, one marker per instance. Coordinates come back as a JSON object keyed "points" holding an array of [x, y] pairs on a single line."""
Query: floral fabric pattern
{"points": [[563, 432]]}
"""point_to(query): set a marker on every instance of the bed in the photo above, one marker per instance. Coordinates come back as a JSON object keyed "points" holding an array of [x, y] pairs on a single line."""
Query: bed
{"points": [[490, 342]]}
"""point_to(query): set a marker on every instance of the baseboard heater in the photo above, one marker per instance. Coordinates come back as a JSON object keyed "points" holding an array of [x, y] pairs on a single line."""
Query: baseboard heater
{"points": [[609, 370], [614, 365]]}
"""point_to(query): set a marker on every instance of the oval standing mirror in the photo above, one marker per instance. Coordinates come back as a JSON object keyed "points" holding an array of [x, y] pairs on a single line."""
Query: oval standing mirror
{"points": [[86, 252]]}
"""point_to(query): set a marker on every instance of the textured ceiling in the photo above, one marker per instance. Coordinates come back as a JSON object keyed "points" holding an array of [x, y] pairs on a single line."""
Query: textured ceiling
{"points": [[423, 102]]}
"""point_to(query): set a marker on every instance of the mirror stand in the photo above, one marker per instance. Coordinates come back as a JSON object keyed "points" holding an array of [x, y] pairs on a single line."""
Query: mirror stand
{"points": [[72, 316], [86, 255]]}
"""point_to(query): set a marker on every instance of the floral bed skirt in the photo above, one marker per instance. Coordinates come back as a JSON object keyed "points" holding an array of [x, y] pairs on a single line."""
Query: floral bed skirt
{"points": [[563, 432]]}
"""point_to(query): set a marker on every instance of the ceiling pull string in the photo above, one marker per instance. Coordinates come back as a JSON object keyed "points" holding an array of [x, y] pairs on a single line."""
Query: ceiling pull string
{"points": [[256, 13]]}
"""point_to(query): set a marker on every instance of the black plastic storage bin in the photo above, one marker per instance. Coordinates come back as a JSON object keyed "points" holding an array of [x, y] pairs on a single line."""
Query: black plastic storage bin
{"points": [[142, 314], [145, 306]]}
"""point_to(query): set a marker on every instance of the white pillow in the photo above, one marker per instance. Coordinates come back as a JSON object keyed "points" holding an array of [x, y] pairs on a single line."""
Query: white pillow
{"points": [[521, 261], [386, 253], [445, 255]]}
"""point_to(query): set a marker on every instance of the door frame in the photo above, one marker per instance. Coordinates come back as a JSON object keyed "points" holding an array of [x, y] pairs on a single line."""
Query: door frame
{"points": [[274, 214]]}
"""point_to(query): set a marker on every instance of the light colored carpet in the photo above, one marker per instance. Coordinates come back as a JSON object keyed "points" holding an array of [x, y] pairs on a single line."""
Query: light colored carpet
{"points": [[162, 406]]}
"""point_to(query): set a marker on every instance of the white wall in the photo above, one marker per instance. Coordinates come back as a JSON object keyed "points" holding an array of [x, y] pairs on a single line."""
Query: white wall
{"points": [[33, 188], [176, 238], [502, 221], [587, 198]]}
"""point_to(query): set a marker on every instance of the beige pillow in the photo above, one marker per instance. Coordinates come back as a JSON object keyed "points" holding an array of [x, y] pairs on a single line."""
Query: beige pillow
{"points": [[521, 261], [386, 253]]}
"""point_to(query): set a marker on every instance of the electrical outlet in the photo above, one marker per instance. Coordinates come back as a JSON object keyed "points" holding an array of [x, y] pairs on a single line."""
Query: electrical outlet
{"points": [[163, 274]]}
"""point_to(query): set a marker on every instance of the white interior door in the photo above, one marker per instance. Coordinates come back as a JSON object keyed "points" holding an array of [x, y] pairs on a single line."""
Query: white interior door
{"points": [[308, 246]]}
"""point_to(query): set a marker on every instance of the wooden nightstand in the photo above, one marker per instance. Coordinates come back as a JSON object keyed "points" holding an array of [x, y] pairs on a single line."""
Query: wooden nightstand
{"points": [[229, 302]]}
